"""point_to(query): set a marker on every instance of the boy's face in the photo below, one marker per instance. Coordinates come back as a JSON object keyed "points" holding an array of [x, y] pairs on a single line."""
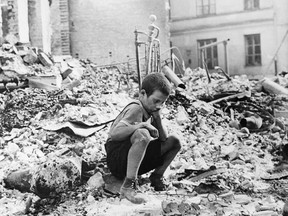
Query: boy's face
{"points": [[154, 102]]}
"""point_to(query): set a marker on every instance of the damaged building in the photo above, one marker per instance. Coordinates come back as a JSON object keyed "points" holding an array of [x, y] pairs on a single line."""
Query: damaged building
{"points": [[65, 77], [248, 35], [253, 32], [98, 30]]}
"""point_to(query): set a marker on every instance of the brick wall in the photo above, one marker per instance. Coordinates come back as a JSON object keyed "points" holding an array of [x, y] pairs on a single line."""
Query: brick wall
{"points": [[9, 17], [35, 24], [99, 27], [64, 27], [60, 39], [102, 31], [56, 31]]}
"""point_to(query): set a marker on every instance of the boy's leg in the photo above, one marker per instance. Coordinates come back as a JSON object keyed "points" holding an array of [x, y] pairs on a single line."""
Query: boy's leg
{"points": [[140, 140], [169, 150]]}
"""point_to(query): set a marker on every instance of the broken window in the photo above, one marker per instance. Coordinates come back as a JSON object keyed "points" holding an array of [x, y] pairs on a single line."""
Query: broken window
{"points": [[205, 7], [251, 4], [253, 50], [210, 54]]}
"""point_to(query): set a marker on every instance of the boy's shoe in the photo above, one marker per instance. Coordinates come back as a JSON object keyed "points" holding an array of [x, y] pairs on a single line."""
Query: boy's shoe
{"points": [[128, 191], [157, 181]]}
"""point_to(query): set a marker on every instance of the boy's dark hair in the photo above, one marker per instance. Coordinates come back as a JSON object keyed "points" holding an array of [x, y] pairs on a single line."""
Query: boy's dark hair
{"points": [[156, 81]]}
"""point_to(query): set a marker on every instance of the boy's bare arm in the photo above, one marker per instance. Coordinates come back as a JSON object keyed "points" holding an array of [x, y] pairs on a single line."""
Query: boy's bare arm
{"points": [[123, 131], [157, 122]]}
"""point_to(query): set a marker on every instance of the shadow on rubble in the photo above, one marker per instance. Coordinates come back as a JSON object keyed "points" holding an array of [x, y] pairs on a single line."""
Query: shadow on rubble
{"points": [[59, 184]]}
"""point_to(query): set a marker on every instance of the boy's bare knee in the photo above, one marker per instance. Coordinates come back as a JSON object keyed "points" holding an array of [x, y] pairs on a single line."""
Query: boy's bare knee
{"points": [[141, 136], [175, 142]]}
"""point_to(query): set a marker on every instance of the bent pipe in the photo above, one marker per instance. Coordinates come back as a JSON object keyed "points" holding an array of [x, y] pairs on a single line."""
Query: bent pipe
{"points": [[172, 77]]}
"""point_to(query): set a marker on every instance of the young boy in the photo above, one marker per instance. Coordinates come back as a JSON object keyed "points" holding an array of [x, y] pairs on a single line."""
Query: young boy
{"points": [[138, 143]]}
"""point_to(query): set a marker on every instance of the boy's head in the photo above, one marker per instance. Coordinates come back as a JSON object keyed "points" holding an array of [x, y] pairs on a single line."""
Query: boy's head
{"points": [[154, 92], [156, 81]]}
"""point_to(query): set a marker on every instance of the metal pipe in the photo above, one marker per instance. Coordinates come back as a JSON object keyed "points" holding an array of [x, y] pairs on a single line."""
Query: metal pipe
{"points": [[204, 65], [203, 58], [137, 59], [172, 77], [153, 34], [158, 58], [226, 57], [224, 73], [225, 54], [150, 46], [213, 44], [275, 66]]}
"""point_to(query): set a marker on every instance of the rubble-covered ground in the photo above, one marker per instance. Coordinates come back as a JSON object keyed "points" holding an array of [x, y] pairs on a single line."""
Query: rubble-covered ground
{"points": [[223, 168]]}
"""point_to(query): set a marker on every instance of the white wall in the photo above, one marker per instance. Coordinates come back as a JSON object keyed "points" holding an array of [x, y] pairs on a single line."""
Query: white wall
{"points": [[231, 21], [187, 8], [23, 26], [281, 37], [46, 27]]}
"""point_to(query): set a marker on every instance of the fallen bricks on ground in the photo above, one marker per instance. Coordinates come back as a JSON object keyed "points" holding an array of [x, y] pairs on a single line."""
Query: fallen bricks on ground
{"points": [[48, 179], [210, 118]]}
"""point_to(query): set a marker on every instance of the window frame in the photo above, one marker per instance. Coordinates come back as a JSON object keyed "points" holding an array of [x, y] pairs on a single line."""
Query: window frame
{"points": [[210, 51], [251, 5], [210, 6], [253, 51]]}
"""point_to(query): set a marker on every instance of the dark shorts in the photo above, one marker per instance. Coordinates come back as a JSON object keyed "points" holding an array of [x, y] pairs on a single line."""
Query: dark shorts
{"points": [[117, 154]]}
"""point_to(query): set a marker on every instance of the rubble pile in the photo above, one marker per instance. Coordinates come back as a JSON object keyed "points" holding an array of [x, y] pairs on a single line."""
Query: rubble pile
{"points": [[215, 85], [20, 106], [53, 129]]}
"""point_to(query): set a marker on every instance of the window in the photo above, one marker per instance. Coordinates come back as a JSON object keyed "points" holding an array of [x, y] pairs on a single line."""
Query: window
{"points": [[205, 7], [253, 50], [188, 56], [251, 4], [210, 54]]}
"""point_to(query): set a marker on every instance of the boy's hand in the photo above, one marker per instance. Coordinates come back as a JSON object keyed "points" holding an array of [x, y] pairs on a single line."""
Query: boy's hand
{"points": [[156, 115], [152, 130]]}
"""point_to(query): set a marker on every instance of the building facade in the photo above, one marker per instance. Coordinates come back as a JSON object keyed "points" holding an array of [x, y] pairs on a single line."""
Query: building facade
{"points": [[102, 31], [249, 36], [29, 21]]}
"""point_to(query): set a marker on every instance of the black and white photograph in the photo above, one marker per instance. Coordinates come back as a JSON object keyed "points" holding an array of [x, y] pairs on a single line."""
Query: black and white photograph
{"points": [[144, 108]]}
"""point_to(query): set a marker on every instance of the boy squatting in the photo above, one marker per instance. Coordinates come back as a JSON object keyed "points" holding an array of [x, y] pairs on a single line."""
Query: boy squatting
{"points": [[137, 141]]}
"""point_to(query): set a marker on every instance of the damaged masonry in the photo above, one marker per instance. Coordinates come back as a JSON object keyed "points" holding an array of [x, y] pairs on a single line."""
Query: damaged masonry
{"points": [[55, 113], [234, 155]]}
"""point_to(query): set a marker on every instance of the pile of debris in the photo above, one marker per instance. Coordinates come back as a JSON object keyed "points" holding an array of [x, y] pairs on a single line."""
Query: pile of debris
{"points": [[54, 124]]}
